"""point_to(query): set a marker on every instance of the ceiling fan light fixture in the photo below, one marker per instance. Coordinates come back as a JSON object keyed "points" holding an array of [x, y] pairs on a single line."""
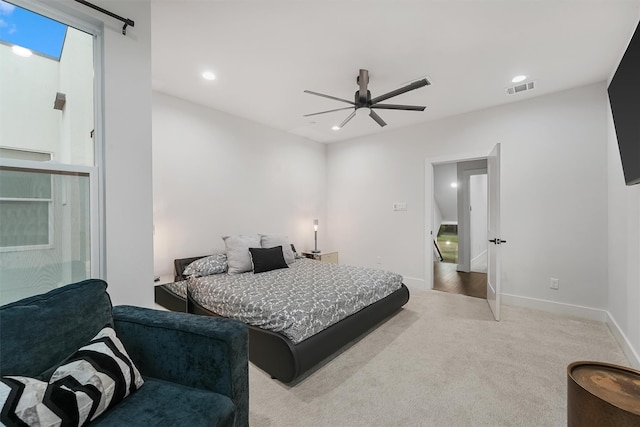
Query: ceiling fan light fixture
{"points": [[336, 127], [364, 104]]}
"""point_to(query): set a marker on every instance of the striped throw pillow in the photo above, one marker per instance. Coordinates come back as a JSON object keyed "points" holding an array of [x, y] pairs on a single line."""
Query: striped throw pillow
{"points": [[92, 380]]}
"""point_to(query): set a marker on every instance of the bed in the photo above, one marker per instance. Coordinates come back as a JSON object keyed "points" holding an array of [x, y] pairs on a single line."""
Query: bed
{"points": [[287, 354]]}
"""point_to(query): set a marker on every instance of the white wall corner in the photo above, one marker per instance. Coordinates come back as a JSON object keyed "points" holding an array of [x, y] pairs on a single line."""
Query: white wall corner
{"points": [[556, 307], [414, 284], [622, 340]]}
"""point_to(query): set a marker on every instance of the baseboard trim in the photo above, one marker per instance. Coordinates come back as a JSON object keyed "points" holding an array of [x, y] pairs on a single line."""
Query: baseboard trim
{"points": [[556, 307], [627, 348], [582, 312]]}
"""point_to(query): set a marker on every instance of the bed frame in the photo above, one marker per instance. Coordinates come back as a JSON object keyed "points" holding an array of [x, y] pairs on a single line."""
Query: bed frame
{"points": [[278, 355]]}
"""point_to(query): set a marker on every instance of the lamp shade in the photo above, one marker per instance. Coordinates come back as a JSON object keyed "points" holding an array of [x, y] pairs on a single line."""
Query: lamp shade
{"points": [[315, 237]]}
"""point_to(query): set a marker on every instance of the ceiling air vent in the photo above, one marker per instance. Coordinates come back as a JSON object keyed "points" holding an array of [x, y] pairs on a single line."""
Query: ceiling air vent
{"points": [[521, 88]]}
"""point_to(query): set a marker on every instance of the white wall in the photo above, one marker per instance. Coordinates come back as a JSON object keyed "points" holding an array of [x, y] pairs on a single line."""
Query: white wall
{"points": [[554, 193], [465, 170], [76, 82], [445, 196], [478, 215], [127, 153], [623, 245], [215, 174], [623, 249], [27, 89]]}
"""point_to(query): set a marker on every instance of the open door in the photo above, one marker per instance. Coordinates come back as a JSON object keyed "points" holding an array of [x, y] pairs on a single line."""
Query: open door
{"points": [[493, 219]]}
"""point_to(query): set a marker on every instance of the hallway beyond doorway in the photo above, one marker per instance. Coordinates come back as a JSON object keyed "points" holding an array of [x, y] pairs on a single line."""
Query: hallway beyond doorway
{"points": [[447, 279]]}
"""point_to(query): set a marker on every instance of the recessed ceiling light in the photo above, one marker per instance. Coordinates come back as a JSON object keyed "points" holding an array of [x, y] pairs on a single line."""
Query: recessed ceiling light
{"points": [[518, 79], [454, 185], [21, 51], [208, 75], [336, 127]]}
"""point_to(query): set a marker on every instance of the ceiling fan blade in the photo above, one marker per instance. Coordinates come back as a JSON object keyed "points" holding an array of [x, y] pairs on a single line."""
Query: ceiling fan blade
{"points": [[399, 107], [377, 118], [328, 111], [363, 80], [407, 88], [351, 116], [330, 97]]}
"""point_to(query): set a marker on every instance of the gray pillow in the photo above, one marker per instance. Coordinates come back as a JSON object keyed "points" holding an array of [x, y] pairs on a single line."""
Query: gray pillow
{"points": [[273, 240], [213, 264], [238, 256]]}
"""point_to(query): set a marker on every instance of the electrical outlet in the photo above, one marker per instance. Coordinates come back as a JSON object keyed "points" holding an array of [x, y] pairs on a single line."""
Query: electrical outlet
{"points": [[554, 283]]}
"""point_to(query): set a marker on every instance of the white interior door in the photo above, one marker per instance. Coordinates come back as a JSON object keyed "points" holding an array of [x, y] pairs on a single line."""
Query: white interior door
{"points": [[495, 242]]}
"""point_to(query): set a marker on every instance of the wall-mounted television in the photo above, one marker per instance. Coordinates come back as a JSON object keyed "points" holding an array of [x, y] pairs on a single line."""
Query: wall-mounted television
{"points": [[624, 97]]}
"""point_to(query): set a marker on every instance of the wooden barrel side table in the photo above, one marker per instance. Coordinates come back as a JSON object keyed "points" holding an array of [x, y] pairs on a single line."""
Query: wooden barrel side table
{"points": [[602, 394]]}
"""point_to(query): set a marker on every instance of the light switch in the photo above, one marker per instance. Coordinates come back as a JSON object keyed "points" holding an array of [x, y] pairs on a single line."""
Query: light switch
{"points": [[400, 206]]}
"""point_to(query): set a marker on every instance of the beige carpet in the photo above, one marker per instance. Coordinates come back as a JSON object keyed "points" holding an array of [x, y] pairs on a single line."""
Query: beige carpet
{"points": [[442, 361]]}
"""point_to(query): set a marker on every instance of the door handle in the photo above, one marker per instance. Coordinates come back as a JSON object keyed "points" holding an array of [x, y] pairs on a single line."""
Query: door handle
{"points": [[497, 241]]}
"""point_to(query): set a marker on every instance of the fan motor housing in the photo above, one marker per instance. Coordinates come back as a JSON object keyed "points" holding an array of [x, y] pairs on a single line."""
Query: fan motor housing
{"points": [[356, 98]]}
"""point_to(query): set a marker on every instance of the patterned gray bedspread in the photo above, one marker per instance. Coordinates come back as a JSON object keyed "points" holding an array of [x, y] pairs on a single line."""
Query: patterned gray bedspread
{"points": [[179, 288], [298, 301]]}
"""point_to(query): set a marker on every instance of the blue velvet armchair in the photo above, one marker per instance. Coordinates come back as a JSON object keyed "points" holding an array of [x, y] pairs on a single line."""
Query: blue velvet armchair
{"points": [[195, 368]]}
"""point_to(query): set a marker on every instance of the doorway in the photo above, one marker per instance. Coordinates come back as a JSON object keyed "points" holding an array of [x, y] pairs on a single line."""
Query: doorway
{"points": [[460, 203]]}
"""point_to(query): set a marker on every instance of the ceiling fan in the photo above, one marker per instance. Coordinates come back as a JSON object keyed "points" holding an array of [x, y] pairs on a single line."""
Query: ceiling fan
{"points": [[363, 99]]}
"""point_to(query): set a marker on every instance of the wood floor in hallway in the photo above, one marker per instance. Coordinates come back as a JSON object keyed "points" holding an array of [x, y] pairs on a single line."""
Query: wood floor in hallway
{"points": [[447, 279]]}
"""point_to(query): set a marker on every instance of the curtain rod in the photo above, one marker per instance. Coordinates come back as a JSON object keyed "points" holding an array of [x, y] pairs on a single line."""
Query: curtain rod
{"points": [[111, 14]]}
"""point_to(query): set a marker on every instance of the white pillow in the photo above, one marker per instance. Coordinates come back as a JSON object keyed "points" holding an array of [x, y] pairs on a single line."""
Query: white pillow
{"points": [[238, 257], [273, 240]]}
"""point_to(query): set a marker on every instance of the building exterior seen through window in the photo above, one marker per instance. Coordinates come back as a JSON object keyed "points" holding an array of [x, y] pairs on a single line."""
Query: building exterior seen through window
{"points": [[47, 153]]}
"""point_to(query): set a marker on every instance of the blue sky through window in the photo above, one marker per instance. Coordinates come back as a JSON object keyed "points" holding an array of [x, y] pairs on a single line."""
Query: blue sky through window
{"points": [[35, 32]]}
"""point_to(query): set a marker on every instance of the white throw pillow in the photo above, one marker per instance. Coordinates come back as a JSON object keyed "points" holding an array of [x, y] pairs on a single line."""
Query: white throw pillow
{"points": [[238, 257], [273, 240]]}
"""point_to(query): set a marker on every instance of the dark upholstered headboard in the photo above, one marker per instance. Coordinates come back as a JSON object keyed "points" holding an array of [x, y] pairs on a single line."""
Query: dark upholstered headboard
{"points": [[181, 264]]}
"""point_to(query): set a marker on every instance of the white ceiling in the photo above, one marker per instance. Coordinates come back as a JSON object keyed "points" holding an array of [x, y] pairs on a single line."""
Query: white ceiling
{"points": [[265, 53]]}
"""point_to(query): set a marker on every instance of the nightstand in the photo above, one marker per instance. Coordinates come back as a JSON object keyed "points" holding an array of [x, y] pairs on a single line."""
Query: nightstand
{"points": [[331, 257], [164, 279]]}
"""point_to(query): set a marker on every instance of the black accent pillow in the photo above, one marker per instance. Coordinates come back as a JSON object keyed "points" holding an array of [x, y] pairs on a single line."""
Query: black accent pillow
{"points": [[267, 259]]}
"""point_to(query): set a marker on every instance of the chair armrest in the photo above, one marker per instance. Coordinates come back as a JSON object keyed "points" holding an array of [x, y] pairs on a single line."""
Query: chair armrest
{"points": [[197, 351]]}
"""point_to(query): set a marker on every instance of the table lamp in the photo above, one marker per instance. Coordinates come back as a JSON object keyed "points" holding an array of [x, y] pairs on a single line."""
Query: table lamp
{"points": [[315, 237]]}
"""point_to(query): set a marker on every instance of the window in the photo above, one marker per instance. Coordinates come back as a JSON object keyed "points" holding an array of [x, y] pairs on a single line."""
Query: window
{"points": [[49, 177], [25, 210], [25, 204]]}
